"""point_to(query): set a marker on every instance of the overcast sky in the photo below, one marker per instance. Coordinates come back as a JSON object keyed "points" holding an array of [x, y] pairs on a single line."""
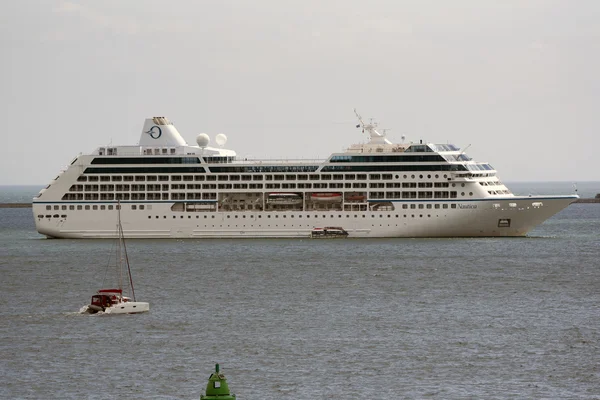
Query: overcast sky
{"points": [[518, 81]]}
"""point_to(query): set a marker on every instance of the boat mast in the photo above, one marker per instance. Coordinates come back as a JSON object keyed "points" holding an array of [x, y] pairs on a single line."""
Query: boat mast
{"points": [[122, 239], [119, 260]]}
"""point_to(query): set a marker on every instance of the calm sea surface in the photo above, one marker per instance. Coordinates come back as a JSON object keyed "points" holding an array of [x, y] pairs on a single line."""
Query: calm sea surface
{"points": [[514, 318]]}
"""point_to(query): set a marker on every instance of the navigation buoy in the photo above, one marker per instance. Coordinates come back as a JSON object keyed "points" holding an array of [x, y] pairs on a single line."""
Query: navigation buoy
{"points": [[217, 388]]}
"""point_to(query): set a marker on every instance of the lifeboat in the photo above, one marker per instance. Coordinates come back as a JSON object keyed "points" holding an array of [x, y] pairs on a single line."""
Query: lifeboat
{"points": [[326, 197], [284, 198], [355, 197]]}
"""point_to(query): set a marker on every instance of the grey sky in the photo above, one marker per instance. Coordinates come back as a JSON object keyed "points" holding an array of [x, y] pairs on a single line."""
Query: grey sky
{"points": [[518, 80]]}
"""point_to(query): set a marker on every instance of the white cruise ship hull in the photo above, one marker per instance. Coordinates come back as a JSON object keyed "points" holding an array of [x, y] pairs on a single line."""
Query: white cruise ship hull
{"points": [[167, 188], [504, 217]]}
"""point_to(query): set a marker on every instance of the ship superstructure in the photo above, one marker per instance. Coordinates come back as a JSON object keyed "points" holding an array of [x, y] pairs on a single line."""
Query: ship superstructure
{"points": [[170, 189]]}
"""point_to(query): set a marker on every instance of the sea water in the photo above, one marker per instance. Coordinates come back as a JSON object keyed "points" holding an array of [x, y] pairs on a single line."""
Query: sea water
{"points": [[489, 318]]}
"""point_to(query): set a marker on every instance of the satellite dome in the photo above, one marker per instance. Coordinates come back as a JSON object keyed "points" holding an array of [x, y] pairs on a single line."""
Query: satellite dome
{"points": [[221, 139], [202, 140]]}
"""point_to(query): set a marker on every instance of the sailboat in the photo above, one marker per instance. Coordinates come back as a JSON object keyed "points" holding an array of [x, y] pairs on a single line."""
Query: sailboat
{"points": [[113, 300]]}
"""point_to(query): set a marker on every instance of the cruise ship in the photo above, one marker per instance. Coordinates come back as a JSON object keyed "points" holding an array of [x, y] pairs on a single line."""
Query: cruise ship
{"points": [[167, 188]]}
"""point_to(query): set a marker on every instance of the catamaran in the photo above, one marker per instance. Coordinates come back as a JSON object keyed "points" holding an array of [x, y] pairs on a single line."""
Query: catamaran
{"points": [[113, 301]]}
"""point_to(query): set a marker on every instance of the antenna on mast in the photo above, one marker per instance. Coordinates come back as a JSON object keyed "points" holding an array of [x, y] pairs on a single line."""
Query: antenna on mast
{"points": [[463, 151], [361, 123]]}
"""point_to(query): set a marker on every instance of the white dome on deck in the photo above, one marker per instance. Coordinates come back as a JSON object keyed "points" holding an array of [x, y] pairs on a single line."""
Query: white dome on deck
{"points": [[202, 140]]}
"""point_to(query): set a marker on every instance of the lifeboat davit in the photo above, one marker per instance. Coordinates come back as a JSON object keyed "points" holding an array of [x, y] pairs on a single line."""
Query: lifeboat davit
{"points": [[326, 197]]}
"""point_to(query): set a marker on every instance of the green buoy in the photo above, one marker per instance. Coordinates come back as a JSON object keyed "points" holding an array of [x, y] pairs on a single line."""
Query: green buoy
{"points": [[217, 388]]}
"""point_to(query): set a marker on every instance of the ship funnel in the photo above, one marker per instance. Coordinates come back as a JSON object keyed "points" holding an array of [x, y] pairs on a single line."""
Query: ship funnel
{"points": [[158, 131]]}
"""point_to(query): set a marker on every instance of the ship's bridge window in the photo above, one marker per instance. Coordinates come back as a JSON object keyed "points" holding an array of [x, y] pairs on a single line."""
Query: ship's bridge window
{"points": [[419, 148]]}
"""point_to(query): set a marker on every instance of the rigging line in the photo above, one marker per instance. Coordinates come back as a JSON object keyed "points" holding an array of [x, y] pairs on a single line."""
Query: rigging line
{"points": [[104, 279], [122, 236]]}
